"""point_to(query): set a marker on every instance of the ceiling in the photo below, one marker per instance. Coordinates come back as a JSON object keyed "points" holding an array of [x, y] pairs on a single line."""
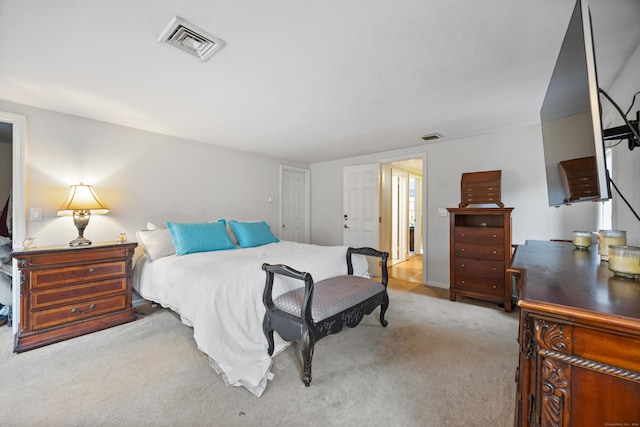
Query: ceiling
{"points": [[307, 81]]}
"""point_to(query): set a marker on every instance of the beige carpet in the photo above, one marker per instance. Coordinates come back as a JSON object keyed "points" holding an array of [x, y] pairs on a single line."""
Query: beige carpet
{"points": [[438, 363]]}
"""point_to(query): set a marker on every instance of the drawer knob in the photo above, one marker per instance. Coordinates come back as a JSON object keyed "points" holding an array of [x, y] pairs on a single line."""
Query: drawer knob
{"points": [[462, 249], [91, 270], [461, 265], [494, 269], [495, 252], [75, 309], [495, 235]]}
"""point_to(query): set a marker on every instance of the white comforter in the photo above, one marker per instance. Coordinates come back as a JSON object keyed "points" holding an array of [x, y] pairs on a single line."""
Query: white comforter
{"points": [[219, 294]]}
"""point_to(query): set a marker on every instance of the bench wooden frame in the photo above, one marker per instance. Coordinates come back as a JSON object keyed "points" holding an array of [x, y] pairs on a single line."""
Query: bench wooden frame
{"points": [[303, 328]]}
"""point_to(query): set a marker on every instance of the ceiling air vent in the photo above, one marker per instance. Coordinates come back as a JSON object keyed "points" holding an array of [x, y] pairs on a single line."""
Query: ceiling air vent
{"points": [[432, 137], [191, 39]]}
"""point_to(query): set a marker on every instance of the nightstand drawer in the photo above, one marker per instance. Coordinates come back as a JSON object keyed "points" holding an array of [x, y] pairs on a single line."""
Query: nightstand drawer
{"points": [[488, 252], [479, 235], [78, 311], [75, 255], [481, 285], [66, 275], [476, 268], [69, 294]]}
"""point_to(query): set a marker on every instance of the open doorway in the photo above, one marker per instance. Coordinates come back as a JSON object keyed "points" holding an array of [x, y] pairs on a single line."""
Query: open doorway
{"points": [[402, 225], [6, 183], [16, 125]]}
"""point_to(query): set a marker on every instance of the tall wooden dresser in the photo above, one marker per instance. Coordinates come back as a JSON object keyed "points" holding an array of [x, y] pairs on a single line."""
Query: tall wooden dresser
{"points": [[480, 253], [579, 339], [70, 291]]}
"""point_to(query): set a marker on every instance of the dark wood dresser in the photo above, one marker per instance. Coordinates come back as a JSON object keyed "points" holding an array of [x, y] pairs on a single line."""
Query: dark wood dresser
{"points": [[579, 339], [67, 291], [480, 253]]}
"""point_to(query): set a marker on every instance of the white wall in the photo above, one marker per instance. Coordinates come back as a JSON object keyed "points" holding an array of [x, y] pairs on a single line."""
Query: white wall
{"points": [[626, 164], [518, 153], [141, 176]]}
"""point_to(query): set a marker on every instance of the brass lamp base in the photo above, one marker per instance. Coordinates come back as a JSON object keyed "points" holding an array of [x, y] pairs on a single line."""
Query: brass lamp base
{"points": [[81, 220], [80, 241]]}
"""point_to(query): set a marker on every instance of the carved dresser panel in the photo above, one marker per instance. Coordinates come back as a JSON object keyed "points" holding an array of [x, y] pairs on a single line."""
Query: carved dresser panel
{"points": [[579, 339]]}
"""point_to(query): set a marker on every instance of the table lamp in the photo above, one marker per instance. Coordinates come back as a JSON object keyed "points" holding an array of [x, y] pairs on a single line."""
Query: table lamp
{"points": [[81, 202]]}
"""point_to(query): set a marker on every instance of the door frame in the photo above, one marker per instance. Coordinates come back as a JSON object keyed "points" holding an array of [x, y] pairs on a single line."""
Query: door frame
{"points": [[18, 200], [307, 200], [384, 213]]}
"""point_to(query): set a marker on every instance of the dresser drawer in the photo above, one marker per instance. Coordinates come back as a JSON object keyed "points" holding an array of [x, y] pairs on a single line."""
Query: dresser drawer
{"points": [[47, 278], [479, 235], [471, 250], [78, 311], [477, 268], [69, 294], [76, 255], [487, 194], [481, 285]]}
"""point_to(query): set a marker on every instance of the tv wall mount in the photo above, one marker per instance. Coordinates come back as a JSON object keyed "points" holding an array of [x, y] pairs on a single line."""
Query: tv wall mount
{"points": [[624, 132]]}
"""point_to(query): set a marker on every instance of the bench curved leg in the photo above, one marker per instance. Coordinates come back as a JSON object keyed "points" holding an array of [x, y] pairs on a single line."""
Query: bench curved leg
{"points": [[383, 310], [307, 356], [268, 332]]}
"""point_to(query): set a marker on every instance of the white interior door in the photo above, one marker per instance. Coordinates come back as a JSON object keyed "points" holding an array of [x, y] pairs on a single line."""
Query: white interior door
{"points": [[294, 209], [399, 216], [361, 203], [417, 214]]}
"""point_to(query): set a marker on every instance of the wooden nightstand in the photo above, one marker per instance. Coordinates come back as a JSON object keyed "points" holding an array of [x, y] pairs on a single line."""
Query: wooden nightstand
{"points": [[67, 291]]}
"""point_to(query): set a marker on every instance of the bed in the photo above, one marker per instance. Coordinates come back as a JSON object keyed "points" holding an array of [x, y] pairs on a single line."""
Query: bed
{"points": [[219, 293]]}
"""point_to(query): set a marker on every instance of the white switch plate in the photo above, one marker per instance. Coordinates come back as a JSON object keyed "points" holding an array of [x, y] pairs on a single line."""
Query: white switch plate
{"points": [[442, 211], [35, 214]]}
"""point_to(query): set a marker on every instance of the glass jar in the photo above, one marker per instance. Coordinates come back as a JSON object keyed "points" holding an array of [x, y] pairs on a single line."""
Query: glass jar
{"points": [[624, 261], [582, 239], [607, 238]]}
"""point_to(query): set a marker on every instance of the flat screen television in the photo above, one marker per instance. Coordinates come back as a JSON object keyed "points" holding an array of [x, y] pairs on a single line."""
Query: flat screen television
{"points": [[573, 144]]}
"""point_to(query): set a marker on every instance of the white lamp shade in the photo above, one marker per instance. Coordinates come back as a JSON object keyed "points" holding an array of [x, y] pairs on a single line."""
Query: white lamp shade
{"points": [[82, 197]]}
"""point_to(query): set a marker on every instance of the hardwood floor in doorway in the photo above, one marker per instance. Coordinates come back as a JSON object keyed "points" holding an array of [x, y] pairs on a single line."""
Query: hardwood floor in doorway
{"points": [[407, 276], [409, 270]]}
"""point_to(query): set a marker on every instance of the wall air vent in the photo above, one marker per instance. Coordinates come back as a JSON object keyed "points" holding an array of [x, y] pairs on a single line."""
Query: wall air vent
{"points": [[191, 39], [432, 137]]}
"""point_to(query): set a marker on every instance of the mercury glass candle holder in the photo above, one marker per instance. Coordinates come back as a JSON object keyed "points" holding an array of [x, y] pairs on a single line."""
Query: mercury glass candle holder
{"points": [[582, 239], [624, 261], [610, 237]]}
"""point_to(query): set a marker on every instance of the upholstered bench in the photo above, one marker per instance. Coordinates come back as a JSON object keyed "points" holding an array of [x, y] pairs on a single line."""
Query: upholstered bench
{"points": [[316, 310]]}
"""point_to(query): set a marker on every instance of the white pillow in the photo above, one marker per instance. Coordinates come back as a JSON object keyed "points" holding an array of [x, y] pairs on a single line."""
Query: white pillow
{"points": [[233, 237], [229, 231], [156, 243]]}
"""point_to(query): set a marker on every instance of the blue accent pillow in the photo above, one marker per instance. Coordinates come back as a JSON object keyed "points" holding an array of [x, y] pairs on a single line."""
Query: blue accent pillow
{"points": [[201, 237], [251, 234]]}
